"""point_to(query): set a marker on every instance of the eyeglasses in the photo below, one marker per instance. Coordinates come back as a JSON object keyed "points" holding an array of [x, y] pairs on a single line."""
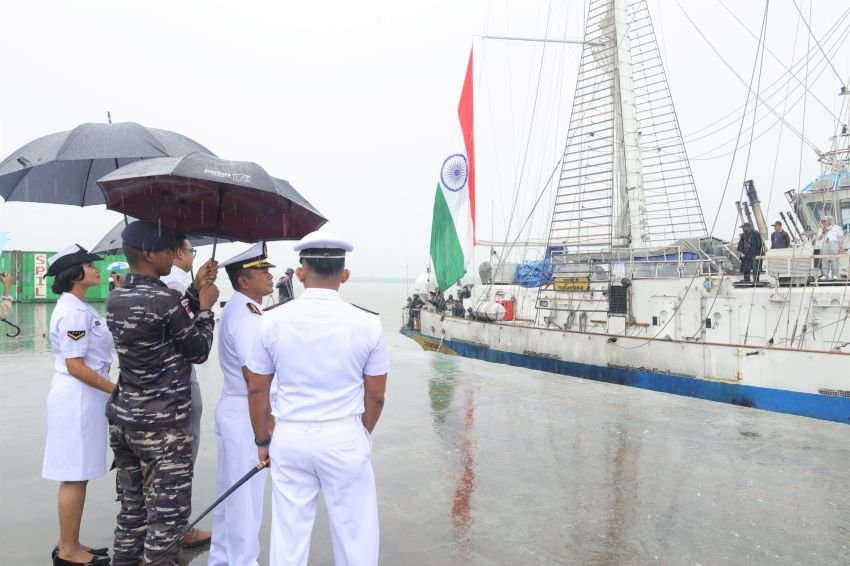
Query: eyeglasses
{"points": [[192, 251]]}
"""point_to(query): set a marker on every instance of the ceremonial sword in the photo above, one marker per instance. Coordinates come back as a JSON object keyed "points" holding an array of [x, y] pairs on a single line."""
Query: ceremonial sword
{"points": [[223, 496]]}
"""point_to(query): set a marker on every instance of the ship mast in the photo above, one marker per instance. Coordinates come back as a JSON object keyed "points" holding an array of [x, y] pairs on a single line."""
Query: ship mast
{"points": [[625, 179], [632, 226]]}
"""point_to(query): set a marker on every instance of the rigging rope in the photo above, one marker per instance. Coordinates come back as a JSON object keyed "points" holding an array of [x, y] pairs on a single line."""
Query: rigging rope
{"points": [[789, 72], [762, 42], [812, 35], [779, 140], [734, 72]]}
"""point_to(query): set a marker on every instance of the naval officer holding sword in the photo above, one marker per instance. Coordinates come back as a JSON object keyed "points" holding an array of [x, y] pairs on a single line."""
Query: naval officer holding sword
{"points": [[236, 521], [330, 362]]}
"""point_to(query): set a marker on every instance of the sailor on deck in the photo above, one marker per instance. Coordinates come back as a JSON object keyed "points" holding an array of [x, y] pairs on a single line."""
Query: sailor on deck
{"points": [[331, 364], [749, 247], [831, 239], [236, 522]]}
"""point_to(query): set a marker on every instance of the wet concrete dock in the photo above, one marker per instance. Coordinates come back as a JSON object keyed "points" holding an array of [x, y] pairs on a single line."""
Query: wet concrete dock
{"points": [[484, 464]]}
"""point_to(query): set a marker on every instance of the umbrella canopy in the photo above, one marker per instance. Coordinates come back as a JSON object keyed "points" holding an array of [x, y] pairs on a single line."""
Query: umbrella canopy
{"points": [[117, 266], [202, 194], [63, 168], [111, 242]]}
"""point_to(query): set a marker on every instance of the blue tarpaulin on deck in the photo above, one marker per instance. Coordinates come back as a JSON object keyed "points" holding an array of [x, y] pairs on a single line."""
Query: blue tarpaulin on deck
{"points": [[534, 273]]}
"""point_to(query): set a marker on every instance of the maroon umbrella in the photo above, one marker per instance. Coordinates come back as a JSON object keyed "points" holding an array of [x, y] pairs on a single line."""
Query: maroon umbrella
{"points": [[202, 194]]}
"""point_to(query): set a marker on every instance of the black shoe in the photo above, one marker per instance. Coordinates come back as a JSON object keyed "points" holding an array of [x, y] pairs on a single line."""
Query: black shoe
{"points": [[96, 551], [97, 560], [100, 557]]}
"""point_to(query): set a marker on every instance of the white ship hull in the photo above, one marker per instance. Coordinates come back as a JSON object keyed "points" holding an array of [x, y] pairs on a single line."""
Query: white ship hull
{"points": [[801, 382], [775, 347]]}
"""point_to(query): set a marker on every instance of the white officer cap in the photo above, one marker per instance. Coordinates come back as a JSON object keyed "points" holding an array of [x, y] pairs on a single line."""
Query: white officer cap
{"points": [[253, 257], [69, 257], [323, 240]]}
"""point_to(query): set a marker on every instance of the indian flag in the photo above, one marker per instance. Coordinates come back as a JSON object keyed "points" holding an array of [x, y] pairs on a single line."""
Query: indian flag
{"points": [[453, 225]]}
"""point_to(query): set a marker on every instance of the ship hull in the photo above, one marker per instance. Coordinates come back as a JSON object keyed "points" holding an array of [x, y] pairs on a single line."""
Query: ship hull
{"points": [[799, 382]]}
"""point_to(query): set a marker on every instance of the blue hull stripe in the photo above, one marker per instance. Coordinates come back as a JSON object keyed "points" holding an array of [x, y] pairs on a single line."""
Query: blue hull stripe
{"points": [[825, 407]]}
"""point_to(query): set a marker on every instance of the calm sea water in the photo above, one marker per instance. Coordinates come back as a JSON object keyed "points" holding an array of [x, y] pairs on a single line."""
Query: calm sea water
{"points": [[485, 464]]}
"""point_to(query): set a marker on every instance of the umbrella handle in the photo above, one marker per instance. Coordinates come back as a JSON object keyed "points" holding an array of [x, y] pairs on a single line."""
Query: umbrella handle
{"points": [[217, 221], [13, 325]]}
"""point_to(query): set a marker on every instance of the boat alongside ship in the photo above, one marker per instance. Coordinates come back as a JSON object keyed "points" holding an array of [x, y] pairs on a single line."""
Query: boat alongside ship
{"points": [[632, 289]]}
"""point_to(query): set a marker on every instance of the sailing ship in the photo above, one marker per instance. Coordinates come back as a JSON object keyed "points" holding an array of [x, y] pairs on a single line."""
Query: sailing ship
{"points": [[632, 289]]}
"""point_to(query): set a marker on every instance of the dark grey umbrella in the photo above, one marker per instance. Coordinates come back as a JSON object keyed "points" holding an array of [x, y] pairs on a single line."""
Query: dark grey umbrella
{"points": [[63, 168], [202, 194], [111, 242]]}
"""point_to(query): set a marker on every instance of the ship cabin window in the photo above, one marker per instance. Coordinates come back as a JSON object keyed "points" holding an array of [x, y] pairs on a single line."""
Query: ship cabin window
{"points": [[818, 210], [844, 208], [844, 182], [823, 185]]}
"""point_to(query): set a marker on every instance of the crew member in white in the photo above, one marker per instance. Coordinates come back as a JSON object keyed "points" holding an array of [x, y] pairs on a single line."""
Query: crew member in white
{"points": [[75, 450], [831, 238], [180, 279], [330, 362], [236, 521]]}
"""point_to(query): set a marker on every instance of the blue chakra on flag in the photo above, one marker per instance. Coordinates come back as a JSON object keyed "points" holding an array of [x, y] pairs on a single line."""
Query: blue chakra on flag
{"points": [[454, 173]]}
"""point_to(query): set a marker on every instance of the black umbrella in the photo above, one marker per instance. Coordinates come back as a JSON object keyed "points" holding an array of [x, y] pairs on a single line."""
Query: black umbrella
{"points": [[63, 168], [111, 242], [202, 194]]}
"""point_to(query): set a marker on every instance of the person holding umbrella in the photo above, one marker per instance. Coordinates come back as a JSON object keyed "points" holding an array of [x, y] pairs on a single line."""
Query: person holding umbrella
{"points": [[180, 279], [75, 449], [158, 334]]}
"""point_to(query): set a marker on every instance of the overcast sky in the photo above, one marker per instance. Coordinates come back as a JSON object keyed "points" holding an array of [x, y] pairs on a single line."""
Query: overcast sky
{"points": [[352, 102]]}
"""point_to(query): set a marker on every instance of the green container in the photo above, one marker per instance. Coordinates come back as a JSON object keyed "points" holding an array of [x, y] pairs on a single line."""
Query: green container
{"points": [[31, 285]]}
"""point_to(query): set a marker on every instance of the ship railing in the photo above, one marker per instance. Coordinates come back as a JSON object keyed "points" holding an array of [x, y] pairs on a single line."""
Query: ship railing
{"points": [[803, 268], [660, 262], [410, 318]]}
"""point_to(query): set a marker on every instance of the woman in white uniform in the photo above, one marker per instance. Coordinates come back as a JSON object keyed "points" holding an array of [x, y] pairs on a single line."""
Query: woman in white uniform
{"points": [[75, 451]]}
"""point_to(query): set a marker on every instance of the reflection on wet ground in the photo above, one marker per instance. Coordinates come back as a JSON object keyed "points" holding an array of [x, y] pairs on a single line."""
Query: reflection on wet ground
{"points": [[484, 464]]}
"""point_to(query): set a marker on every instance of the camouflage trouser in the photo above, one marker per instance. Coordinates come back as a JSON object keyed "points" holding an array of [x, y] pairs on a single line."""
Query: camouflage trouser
{"points": [[154, 483]]}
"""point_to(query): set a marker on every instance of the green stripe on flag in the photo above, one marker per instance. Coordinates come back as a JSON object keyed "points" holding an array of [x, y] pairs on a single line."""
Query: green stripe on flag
{"points": [[446, 252]]}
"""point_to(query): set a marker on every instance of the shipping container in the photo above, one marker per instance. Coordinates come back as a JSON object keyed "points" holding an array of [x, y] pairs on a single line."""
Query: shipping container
{"points": [[32, 286]]}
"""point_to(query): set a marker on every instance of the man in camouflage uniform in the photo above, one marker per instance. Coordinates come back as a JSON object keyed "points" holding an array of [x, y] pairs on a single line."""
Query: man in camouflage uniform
{"points": [[158, 334]]}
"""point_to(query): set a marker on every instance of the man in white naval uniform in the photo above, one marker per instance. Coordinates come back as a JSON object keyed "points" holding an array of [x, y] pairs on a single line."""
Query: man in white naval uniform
{"points": [[330, 361], [180, 279], [236, 522]]}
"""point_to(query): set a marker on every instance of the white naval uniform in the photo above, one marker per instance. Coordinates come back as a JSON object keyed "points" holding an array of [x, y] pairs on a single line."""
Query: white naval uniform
{"points": [[831, 241], [236, 522], [320, 348], [75, 449]]}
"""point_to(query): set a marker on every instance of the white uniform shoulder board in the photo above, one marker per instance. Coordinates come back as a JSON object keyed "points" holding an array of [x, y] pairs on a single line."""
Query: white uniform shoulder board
{"points": [[361, 308], [274, 306]]}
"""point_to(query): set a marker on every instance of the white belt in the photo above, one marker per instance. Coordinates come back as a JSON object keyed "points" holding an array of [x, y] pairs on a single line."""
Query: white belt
{"points": [[226, 394], [103, 371], [316, 426]]}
